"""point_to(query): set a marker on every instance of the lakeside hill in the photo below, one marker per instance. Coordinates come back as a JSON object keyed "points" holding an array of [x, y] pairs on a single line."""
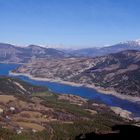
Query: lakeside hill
{"points": [[119, 72], [12, 86], [44, 115]]}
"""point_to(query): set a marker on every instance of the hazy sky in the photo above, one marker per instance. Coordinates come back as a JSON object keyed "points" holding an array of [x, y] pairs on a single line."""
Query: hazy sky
{"points": [[69, 22]]}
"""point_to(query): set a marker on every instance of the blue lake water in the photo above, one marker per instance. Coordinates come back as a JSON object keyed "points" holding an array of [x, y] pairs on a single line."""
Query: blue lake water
{"points": [[80, 91]]}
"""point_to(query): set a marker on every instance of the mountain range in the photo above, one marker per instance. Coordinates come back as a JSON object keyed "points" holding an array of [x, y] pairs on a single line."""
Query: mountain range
{"points": [[92, 52], [15, 54]]}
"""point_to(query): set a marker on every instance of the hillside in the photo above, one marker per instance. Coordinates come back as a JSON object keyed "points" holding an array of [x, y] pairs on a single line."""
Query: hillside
{"points": [[44, 115], [12, 86], [119, 72]]}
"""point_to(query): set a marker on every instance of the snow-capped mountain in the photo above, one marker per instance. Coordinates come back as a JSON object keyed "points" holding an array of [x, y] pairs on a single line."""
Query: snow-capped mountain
{"points": [[91, 52]]}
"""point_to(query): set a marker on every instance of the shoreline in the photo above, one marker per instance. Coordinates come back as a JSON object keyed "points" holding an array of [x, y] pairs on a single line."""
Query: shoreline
{"points": [[11, 63], [98, 89]]}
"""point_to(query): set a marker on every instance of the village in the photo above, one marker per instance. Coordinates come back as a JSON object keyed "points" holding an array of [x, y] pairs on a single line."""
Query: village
{"points": [[21, 116]]}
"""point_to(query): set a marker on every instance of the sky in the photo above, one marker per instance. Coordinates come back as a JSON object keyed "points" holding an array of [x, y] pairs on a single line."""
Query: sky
{"points": [[74, 23]]}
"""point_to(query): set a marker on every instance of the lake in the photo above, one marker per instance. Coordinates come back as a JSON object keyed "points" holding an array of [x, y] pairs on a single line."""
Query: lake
{"points": [[88, 93]]}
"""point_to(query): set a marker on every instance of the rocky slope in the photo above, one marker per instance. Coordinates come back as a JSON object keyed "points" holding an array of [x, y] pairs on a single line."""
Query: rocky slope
{"points": [[118, 72]]}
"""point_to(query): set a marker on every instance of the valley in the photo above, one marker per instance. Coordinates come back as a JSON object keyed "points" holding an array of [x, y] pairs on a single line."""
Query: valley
{"points": [[75, 89], [49, 94], [116, 74], [69, 69]]}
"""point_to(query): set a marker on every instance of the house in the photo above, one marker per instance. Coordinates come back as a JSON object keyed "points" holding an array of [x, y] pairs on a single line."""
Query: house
{"points": [[12, 108], [1, 110], [18, 131], [34, 131]]}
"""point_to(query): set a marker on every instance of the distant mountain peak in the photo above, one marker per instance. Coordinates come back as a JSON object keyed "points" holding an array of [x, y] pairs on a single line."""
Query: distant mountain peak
{"points": [[138, 41], [35, 46], [132, 42]]}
